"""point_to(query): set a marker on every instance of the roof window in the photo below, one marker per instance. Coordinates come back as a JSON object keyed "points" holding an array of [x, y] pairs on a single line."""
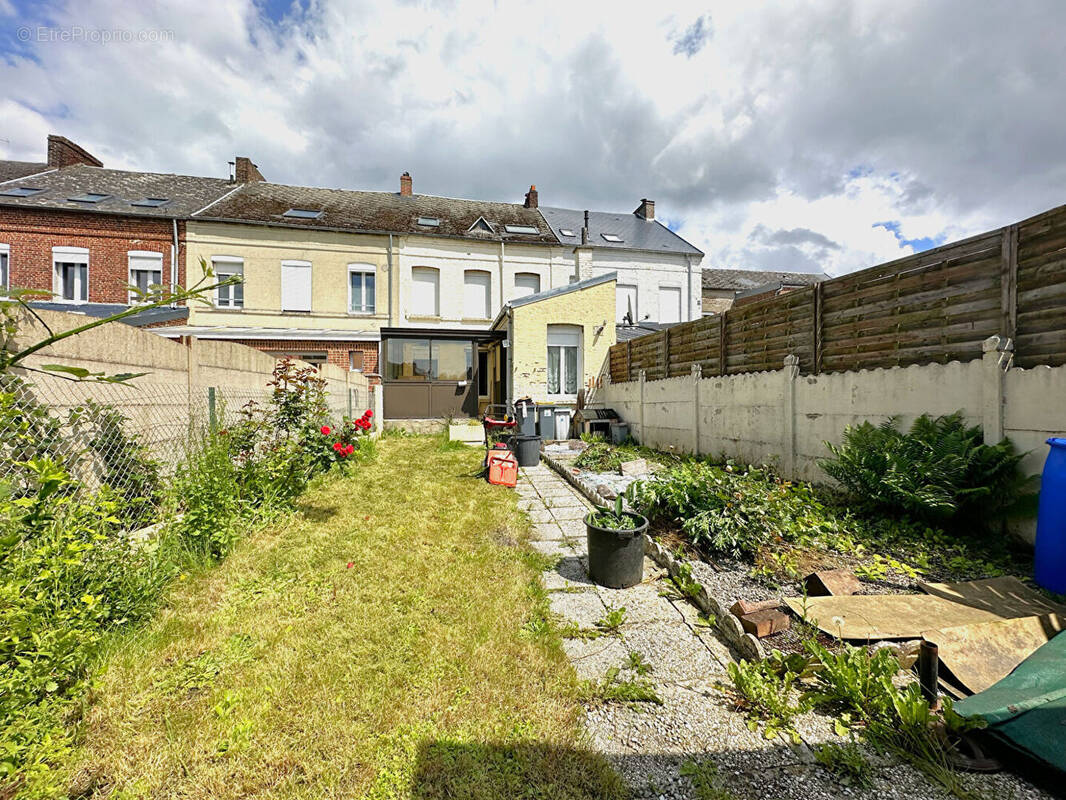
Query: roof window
{"points": [[21, 191], [566, 232], [89, 197], [151, 202], [302, 213], [429, 222], [611, 237], [521, 229]]}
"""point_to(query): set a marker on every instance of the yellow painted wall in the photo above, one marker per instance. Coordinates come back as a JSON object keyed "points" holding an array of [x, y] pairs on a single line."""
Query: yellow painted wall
{"points": [[587, 308], [263, 249]]}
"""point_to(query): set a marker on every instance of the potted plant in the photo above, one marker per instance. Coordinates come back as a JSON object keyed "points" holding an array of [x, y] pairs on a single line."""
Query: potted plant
{"points": [[616, 546]]}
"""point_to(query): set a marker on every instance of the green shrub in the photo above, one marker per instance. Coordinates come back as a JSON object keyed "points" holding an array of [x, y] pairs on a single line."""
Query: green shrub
{"points": [[937, 470]]}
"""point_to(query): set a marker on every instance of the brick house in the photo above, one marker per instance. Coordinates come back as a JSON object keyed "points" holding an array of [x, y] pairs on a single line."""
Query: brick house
{"points": [[724, 288]]}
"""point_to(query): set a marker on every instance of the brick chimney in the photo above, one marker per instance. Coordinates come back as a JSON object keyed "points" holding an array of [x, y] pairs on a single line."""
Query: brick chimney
{"points": [[64, 153], [406, 186], [531, 197], [244, 171], [646, 210]]}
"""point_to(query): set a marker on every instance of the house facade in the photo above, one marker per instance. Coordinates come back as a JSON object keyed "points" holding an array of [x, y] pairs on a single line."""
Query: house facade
{"points": [[724, 288]]}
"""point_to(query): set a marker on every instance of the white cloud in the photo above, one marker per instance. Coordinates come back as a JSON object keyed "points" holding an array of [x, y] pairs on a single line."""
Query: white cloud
{"points": [[773, 135]]}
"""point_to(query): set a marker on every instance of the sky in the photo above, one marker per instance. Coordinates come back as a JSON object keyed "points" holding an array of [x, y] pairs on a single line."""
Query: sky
{"points": [[808, 136]]}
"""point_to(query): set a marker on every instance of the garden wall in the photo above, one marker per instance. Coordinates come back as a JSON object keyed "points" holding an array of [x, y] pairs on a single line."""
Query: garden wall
{"points": [[783, 418]]}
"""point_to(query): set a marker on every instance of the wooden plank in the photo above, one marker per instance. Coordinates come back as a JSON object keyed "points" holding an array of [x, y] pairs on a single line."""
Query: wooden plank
{"points": [[816, 329], [1008, 279], [722, 342]]}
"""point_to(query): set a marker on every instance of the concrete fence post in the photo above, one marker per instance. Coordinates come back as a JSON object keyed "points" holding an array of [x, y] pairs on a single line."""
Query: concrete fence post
{"points": [[997, 359], [697, 374], [377, 405], [643, 436], [788, 445]]}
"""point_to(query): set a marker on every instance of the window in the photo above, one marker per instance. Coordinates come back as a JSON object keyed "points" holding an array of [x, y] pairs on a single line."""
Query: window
{"points": [[429, 360], [151, 202], [566, 232], [669, 304], [70, 274], [521, 229], [477, 285], [355, 360], [21, 191], [89, 197], [611, 237], [425, 292], [481, 225], [295, 285], [361, 292], [625, 299], [564, 359], [525, 284], [302, 213], [429, 222], [5, 266], [227, 267], [146, 270], [315, 358]]}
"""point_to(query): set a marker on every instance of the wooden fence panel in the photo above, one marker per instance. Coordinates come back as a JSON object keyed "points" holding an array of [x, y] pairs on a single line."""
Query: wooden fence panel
{"points": [[1040, 337]]}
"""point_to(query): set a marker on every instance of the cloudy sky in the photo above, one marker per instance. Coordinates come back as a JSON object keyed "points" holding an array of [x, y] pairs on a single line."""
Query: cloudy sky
{"points": [[806, 136]]}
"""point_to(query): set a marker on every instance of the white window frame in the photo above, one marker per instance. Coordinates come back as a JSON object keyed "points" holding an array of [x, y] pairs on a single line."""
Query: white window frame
{"points": [[484, 281], [565, 337], [228, 265], [515, 294], [619, 313], [680, 302], [142, 254], [296, 297], [5, 256], [364, 270], [418, 312], [69, 255]]}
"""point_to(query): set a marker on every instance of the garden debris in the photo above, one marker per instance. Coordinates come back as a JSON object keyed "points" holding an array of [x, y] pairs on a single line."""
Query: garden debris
{"points": [[838, 582], [605, 491], [998, 595], [638, 466], [742, 607], [761, 624]]}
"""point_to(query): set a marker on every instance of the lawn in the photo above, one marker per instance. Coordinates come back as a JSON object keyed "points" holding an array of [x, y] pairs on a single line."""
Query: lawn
{"points": [[386, 642]]}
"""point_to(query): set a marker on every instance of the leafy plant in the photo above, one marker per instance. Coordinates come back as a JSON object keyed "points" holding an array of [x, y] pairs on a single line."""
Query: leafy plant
{"points": [[636, 662], [705, 780], [612, 689], [616, 519], [847, 763], [939, 469], [685, 583], [765, 693], [612, 620]]}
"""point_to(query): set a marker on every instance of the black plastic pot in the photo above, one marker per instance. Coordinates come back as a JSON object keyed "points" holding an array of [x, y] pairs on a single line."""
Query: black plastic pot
{"points": [[527, 450], [616, 557]]}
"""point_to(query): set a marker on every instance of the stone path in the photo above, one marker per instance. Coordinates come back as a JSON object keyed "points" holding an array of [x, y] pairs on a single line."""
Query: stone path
{"points": [[648, 744]]}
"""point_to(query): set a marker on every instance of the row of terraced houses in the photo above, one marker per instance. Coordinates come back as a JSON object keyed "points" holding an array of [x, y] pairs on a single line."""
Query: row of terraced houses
{"points": [[426, 293]]}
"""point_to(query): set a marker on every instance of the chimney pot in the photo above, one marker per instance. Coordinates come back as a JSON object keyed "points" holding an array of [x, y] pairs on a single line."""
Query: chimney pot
{"points": [[406, 187], [531, 196], [646, 210], [64, 153], [585, 229], [244, 171]]}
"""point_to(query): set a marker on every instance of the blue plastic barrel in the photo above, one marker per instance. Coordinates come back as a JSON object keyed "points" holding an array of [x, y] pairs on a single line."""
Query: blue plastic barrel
{"points": [[1050, 556]]}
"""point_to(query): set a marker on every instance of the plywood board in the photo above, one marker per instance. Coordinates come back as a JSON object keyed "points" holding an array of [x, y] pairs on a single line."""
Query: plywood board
{"points": [[1006, 596]]}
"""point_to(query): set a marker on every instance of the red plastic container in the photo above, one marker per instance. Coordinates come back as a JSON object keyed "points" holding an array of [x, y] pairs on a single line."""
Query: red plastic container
{"points": [[503, 468]]}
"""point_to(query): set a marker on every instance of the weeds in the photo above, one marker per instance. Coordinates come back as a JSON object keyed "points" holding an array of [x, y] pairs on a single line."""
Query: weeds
{"points": [[847, 763], [705, 780], [614, 690], [636, 662], [766, 696], [612, 620]]}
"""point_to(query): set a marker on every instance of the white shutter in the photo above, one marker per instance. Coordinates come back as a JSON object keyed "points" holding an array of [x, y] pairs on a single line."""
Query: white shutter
{"points": [[295, 285], [625, 298], [669, 304], [525, 283], [425, 290], [476, 288]]}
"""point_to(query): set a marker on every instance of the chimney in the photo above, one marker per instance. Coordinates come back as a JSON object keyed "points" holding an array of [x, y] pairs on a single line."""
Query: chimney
{"points": [[406, 186], [244, 171], [585, 230], [646, 210], [64, 153], [531, 197]]}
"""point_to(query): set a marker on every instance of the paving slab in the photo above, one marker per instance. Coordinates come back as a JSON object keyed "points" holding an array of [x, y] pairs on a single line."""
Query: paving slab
{"points": [[676, 654], [569, 513], [593, 657], [552, 548], [642, 603], [548, 531], [583, 609]]}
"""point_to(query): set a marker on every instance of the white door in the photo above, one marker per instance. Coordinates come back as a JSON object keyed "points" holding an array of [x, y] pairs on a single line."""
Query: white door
{"points": [[669, 304]]}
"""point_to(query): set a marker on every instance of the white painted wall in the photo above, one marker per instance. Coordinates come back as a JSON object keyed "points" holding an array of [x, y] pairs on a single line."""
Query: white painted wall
{"points": [[648, 272]]}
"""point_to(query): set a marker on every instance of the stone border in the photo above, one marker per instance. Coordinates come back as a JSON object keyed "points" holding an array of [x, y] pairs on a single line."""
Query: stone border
{"points": [[725, 622]]}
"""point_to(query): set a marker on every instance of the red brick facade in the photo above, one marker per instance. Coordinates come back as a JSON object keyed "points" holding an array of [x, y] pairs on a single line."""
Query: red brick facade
{"points": [[337, 353], [32, 233]]}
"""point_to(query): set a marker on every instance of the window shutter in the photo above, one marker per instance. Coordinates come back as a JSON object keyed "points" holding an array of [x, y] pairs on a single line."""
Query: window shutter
{"points": [[295, 286], [476, 294], [669, 304]]}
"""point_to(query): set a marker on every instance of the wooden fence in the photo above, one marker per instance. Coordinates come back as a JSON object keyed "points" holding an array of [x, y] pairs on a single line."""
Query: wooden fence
{"points": [[932, 307]]}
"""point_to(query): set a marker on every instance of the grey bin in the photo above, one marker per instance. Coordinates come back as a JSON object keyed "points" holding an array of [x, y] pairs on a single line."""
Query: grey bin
{"points": [[526, 415], [619, 432], [546, 422]]}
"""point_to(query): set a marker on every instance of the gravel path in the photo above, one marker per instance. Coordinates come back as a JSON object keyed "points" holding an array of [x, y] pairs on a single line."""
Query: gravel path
{"points": [[649, 744]]}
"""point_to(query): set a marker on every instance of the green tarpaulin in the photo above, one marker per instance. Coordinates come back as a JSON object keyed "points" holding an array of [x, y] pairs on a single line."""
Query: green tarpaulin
{"points": [[1027, 709]]}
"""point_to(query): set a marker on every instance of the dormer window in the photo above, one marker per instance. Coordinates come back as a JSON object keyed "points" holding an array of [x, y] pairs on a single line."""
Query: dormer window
{"points": [[521, 229], [611, 237], [429, 222], [89, 197], [481, 225], [302, 213], [21, 191]]}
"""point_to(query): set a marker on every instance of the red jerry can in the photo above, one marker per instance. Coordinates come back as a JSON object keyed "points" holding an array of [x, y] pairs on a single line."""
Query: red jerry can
{"points": [[503, 468]]}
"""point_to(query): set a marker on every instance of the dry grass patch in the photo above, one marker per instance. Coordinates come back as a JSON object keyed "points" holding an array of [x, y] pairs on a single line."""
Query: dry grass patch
{"points": [[382, 644]]}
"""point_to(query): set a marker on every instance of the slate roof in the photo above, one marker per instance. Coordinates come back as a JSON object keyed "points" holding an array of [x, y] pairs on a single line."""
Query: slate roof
{"points": [[185, 193], [378, 212], [635, 232], [743, 279], [9, 170]]}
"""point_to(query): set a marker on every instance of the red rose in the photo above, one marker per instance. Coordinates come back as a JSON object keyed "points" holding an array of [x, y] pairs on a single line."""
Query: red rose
{"points": [[349, 450], [338, 446], [351, 564], [368, 414], [325, 430]]}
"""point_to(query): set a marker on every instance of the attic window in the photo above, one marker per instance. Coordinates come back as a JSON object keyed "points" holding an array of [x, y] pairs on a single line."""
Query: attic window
{"points": [[151, 202], [302, 213], [521, 229], [566, 232], [21, 191], [611, 237], [89, 197], [481, 225], [429, 222]]}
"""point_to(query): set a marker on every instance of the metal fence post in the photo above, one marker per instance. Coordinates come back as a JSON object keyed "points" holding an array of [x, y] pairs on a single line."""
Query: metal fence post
{"points": [[211, 419]]}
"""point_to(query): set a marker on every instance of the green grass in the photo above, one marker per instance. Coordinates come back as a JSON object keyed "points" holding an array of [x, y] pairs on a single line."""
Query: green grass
{"points": [[425, 669]]}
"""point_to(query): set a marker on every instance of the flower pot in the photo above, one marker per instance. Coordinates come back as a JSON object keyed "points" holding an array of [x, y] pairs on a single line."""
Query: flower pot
{"points": [[616, 557]]}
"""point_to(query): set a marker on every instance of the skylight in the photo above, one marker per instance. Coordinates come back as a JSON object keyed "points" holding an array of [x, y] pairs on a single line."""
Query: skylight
{"points": [[611, 237], [89, 197], [429, 222], [21, 191], [151, 202], [302, 213], [566, 232], [521, 229]]}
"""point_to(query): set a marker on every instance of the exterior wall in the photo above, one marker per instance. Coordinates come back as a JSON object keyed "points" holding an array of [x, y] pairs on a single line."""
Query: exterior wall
{"points": [[263, 248], [31, 235], [648, 271], [337, 353], [586, 308], [717, 301], [784, 419]]}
